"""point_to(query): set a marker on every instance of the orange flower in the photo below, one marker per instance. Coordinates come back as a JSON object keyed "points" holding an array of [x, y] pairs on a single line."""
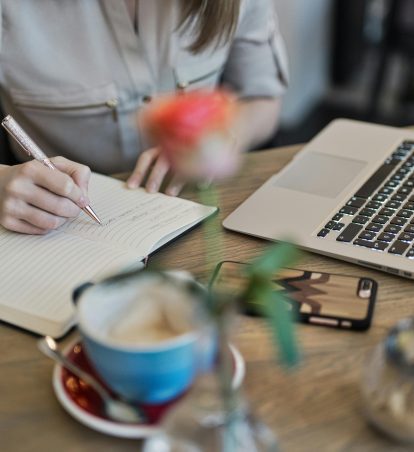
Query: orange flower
{"points": [[193, 132]]}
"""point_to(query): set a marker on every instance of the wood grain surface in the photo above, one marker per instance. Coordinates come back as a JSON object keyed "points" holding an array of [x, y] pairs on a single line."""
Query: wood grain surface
{"points": [[316, 407]]}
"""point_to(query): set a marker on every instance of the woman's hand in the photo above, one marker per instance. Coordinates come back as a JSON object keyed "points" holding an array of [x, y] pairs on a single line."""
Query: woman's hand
{"points": [[35, 199], [154, 167]]}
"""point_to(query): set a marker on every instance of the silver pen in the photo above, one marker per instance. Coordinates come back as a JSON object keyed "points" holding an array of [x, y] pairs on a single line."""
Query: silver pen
{"points": [[33, 150]]}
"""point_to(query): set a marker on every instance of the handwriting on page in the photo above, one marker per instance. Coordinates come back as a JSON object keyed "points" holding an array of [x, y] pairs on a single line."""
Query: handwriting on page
{"points": [[133, 219], [40, 272]]}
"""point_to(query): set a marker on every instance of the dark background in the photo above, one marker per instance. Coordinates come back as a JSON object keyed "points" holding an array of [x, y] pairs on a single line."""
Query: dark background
{"points": [[371, 68]]}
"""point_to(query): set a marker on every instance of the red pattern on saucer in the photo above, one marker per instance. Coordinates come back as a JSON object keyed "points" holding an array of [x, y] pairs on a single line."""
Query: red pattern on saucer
{"points": [[85, 404], [89, 400]]}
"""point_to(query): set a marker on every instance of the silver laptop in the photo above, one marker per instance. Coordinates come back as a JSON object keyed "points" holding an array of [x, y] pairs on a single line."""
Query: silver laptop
{"points": [[349, 194]]}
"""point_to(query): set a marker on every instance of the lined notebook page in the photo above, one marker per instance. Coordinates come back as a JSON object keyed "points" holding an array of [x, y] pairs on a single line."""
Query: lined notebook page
{"points": [[134, 219], [39, 273]]}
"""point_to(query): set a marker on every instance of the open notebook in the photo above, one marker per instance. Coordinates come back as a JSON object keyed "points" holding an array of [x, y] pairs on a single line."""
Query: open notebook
{"points": [[39, 273]]}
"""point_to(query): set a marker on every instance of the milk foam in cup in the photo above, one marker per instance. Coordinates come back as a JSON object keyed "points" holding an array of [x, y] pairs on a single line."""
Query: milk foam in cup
{"points": [[146, 335]]}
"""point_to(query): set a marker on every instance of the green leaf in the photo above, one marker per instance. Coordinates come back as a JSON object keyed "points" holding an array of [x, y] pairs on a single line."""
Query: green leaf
{"points": [[260, 290], [274, 258], [283, 331]]}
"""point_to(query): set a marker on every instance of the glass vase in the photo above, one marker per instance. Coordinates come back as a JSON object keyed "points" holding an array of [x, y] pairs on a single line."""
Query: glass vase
{"points": [[206, 420], [388, 383]]}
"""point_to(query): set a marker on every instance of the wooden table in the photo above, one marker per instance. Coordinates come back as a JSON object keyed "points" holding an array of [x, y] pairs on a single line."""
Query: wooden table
{"points": [[315, 408]]}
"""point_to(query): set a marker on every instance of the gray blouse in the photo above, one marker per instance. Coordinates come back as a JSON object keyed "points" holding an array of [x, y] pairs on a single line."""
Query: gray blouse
{"points": [[74, 72]]}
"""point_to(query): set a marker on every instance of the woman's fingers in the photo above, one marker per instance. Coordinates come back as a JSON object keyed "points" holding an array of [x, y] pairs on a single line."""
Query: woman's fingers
{"points": [[153, 167], [16, 225], [35, 199], [57, 182], [143, 166], [80, 174], [46, 189], [49, 202], [18, 209], [157, 175], [175, 186]]}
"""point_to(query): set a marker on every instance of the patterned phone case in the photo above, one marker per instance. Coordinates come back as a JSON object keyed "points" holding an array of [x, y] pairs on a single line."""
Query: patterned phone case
{"points": [[319, 298]]}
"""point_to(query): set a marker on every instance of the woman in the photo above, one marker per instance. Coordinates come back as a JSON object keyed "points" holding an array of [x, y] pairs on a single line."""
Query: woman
{"points": [[74, 73]]}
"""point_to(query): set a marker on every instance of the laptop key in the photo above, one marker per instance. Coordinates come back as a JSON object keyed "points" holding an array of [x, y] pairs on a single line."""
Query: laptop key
{"points": [[367, 235], [374, 205], [374, 227], [409, 206], [381, 219], [392, 183], [380, 198], [403, 170], [337, 217], [323, 232], [393, 229], [360, 219], [387, 212], [386, 190], [349, 233], [366, 243], [398, 247], [375, 180], [330, 225], [406, 237], [399, 197], [397, 177], [409, 228], [399, 221], [410, 254], [338, 226], [386, 237], [367, 212], [400, 153], [404, 213], [393, 204], [348, 210], [380, 246], [407, 145], [356, 202], [404, 190]]}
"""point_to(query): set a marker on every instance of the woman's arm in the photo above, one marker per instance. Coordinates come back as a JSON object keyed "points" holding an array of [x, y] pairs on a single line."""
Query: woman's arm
{"points": [[257, 122]]}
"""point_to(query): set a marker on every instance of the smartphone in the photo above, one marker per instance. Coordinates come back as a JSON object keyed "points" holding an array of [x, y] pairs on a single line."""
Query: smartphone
{"points": [[318, 298]]}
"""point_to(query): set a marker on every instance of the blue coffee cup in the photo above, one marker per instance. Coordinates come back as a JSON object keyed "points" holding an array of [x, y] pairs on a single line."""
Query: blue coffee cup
{"points": [[152, 372]]}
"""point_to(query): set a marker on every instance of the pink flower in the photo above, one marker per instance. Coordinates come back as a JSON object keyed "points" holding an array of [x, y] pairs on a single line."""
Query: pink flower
{"points": [[193, 131]]}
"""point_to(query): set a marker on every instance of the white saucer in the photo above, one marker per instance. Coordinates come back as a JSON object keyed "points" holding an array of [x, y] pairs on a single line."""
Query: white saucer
{"points": [[65, 385]]}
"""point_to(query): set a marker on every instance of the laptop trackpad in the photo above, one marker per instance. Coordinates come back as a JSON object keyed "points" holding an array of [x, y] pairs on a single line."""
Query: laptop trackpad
{"points": [[320, 174]]}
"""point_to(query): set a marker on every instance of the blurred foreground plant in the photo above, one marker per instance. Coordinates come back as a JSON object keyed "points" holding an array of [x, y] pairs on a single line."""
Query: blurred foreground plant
{"points": [[195, 133]]}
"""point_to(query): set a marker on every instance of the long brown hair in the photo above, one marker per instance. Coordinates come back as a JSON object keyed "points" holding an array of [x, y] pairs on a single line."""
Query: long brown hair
{"points": [[215, 20]]}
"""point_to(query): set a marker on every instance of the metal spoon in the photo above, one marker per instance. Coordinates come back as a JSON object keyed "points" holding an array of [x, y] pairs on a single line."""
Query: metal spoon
{"points": [[116, 409]]}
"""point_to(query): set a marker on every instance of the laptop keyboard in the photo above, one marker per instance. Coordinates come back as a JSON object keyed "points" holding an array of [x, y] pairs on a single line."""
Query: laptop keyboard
{"points": [[380, 215]]}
